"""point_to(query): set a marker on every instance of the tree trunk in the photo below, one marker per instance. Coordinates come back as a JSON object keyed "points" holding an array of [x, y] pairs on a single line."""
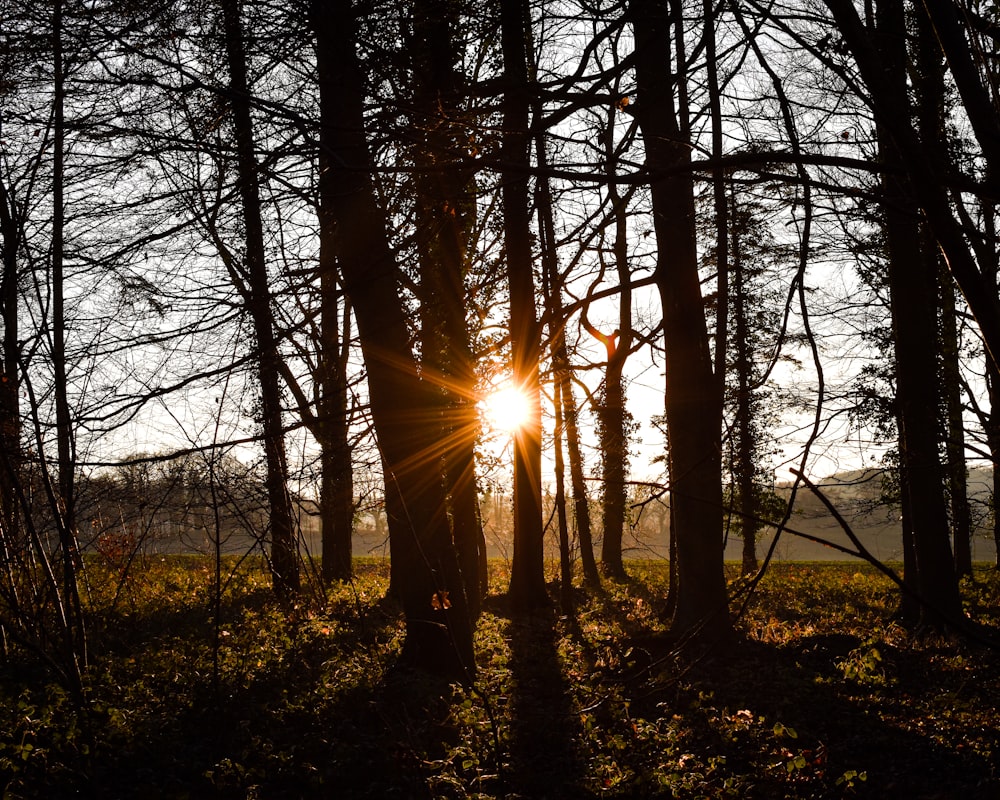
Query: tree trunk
{"points": [[527, 579], [578, 483], [909, 608], [991, 267], [993, 440], [745, 466], [913, 296], [405, 414], [65, 505], [333, 423], [951, 386], [10, 378], [693, 408], [566, 413], [613, 415], [552, 290], [284, 553], [929, 72], [444, 210], [565, 563]]}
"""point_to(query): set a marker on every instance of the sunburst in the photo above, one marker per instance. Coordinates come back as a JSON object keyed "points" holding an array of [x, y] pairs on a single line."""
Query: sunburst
{"points": [[506, 409]]}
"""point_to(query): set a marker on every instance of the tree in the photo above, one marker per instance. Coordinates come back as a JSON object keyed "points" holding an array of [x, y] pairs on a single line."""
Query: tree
{"points": [[953, 423], [693, 409], [252, 279], [614, 420], [332, 427], [754, 319], [527, 579], [10, 411], [918, 159], [444, 215], [913, 294], [404, 409], [65, 490]]}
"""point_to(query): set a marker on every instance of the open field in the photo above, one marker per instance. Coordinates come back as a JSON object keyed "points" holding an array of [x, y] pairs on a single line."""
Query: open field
{"points": [[821, 695], [882, 537]]}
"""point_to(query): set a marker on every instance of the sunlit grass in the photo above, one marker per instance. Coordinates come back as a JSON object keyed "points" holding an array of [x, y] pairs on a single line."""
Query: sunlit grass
{"points": [[198, 689]]}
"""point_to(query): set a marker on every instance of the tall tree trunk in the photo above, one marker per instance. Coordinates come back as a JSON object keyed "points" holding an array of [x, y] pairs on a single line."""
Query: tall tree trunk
{"points": [[527, 579], [745, 466], [565, 563], [444, 210], [65, 445], [614, 418], [913, 300], [578, 483], [405, 413], [991, 268], [10, 379], [929, 69], [566, 412], [993, 442], [909, 607], [552, 290], [951, 386], [614, 454], [333, 424], [284, 553], [693, 409]]}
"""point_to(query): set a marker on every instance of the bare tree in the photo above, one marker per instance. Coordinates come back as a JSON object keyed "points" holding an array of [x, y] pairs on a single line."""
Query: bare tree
{"points": [[913, 292], [527, 580], [692, 403], [253, 282], [404, 410], [444, 216]]}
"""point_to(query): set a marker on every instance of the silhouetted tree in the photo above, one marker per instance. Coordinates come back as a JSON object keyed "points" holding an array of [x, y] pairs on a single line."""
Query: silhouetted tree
{"points": [[527, 579], [692, 403], [404, 409]]}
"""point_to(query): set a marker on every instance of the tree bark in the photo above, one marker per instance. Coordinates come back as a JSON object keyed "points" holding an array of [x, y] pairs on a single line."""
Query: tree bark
{"points": [[566, 411], [928, 70], [333, 424], [65, 497], [954, 427], [613, 415], [578, 483], [565, 563], [991, 268], [745, 465], [909, 607], [552, 291]]}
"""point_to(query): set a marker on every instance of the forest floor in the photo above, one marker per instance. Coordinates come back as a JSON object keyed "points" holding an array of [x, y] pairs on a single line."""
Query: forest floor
{"points": [[821, 695]]}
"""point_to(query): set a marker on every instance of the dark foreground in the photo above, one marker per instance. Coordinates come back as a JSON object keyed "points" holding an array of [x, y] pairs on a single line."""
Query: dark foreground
{"points": [[822, 695]]}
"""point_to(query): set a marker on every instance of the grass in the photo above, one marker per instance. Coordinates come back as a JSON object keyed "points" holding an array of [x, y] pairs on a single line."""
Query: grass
{"points": [[822, 695]]}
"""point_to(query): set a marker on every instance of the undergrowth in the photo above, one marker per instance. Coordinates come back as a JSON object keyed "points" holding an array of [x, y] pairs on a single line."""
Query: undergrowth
{"points": [[194, 693]]}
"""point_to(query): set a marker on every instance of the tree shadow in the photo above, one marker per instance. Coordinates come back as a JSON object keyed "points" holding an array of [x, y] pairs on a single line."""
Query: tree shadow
{"points": [[819, 712], [545, 758]]}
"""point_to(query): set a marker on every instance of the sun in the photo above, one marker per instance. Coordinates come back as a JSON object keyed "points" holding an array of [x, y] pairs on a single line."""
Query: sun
{"points": [[506, 409]]}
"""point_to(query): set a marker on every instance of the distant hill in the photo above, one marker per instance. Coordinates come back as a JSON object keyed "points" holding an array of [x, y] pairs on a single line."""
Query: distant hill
{"points": [[860, 496]]}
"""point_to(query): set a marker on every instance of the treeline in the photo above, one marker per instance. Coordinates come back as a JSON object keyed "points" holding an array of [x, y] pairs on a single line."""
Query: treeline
{"points": [[317, 231]]}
